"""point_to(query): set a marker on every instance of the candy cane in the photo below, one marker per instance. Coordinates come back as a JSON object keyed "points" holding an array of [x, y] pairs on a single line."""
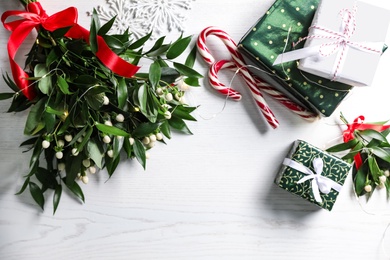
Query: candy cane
{"points": [[238, 64], [238, 61]]}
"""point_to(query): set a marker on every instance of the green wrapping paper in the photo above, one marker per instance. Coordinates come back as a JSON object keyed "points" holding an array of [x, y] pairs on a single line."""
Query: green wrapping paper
{"points": [[284, 23], [334, 170]]}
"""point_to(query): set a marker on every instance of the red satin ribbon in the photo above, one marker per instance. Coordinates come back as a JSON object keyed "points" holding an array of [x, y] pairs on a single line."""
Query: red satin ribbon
{"points": [[358, 124], [35, 16]]}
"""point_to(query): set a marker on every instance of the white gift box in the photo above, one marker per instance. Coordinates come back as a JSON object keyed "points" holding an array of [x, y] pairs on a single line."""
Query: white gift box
{"points": [[348, 55], [345, 42]]}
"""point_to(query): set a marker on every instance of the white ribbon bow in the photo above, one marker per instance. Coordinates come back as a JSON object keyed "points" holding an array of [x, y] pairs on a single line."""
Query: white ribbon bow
{"points": [[339, 43], [319, 183]]}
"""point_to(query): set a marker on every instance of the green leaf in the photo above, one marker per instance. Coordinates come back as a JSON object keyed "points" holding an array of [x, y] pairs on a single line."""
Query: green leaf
{"points": [[360, 180], [373, 166], [381, 153], [154, 74], [143, 98], [169, 74], [166, 129], [37, 194], [46, 177], [117, 145], [139, 43], [63, 85], [44, 83], [354, 151], [373, 134], [11, 84], [145, 129], [156, 45], [72, 167], [112, 164], [30, 141], [178, 47], [106, 27], [183, 113], [93, 42], [76, 190], [111, 130], [36, 152], [95, 152], [193, 82], [139, 151], [34, 117], [54, 111], [57, 198], [114, 43], [23, 188], [343, 146], [122, 93], [187, 71], [4, 96], [50, 122], [179, 125], [86, 138], [191, 58]]}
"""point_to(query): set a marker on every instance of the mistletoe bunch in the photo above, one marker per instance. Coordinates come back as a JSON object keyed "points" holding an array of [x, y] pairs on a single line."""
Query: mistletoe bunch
{"points": [[84, 116], [368, 147]]}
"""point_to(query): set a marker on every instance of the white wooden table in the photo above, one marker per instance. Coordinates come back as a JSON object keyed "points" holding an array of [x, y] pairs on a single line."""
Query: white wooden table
{"points": [[206, 196]]}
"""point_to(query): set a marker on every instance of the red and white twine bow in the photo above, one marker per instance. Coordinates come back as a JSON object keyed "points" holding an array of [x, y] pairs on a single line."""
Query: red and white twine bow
{"points": [[255, 84]]}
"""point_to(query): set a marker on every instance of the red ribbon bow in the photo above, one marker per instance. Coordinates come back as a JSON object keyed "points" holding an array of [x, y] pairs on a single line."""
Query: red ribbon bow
{"points": [[358, 124], [35, 16]]}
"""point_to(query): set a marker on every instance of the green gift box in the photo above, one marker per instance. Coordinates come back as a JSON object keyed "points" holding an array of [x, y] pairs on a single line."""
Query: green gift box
{"points": [[313, 174], [284, 23]]}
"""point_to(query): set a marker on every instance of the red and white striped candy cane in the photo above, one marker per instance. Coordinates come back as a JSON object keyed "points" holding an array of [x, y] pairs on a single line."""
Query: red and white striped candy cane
{"points": [[238, 63], [236, 58]]}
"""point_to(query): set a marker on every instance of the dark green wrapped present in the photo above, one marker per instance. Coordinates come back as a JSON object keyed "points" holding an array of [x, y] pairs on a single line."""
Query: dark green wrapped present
{"points": [[284, 23], [313, 174]]}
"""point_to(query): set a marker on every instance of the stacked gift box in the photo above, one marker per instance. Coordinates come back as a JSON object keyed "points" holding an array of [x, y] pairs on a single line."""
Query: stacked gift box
{"points": [[315, 52], [288, 22]]}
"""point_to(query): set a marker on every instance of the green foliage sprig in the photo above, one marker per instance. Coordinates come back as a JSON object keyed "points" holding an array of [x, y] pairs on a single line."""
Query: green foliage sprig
{"points": [[86, 118], [374, 150]]}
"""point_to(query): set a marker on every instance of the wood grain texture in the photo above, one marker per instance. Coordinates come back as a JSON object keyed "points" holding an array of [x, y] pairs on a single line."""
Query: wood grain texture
{"points": [[206, 196]]}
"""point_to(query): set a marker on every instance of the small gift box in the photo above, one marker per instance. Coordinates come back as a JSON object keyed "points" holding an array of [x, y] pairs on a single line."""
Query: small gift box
{"points": [[284, 23], [345, 41], [313, 174]]}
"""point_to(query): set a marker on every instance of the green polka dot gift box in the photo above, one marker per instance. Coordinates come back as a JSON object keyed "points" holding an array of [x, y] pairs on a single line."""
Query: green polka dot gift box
{"points": [[313, 174], [284, 23]]}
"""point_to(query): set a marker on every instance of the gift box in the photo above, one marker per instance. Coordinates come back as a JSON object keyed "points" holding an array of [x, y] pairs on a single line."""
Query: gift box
{"points": [[284, 23], [345, 41], [313, 174]]}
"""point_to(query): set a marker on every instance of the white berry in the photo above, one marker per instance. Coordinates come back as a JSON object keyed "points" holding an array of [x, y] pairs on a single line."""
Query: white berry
{"points": [[146, 140], [168, 97], [108, 123], [45, 144], [167, 115], [61, 166], [60, 143], [106, 139], [368, 188], [68, 138], [92, 169], [131, 140], [106, 101], [382, 178], [153, 138], [86, 163], [59, 155], [159, 91], [110, 153], [159, 136], [147, 155], [387, 173], [75, 151], [85, 179], [120, 118]]}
